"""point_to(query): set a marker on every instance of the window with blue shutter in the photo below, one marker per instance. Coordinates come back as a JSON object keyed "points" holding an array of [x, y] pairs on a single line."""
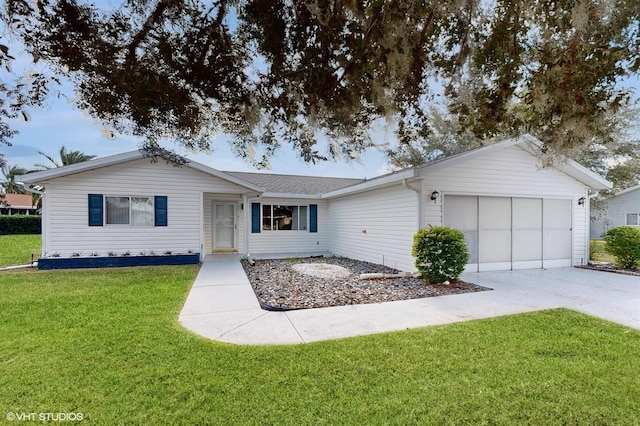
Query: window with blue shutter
{"points": [[313, 218], [95, 209], [255, 218], [160, 214]]}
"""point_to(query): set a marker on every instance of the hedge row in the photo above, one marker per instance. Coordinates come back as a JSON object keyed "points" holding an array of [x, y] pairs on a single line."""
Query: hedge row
{"points": [[20, 224]]}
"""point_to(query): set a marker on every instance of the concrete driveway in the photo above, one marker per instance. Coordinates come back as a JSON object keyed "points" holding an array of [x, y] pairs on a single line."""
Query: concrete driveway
{"points": [[222, 306], [610, 296]]}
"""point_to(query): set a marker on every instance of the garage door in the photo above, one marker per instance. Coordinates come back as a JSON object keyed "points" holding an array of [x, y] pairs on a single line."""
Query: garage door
{"points": [[512, 233]]}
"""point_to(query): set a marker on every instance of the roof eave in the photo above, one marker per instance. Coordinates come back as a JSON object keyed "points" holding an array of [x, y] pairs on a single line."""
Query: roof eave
{"points": [[44, 175], [217, 173], [626, 191], [372, 184], [290, 195]]}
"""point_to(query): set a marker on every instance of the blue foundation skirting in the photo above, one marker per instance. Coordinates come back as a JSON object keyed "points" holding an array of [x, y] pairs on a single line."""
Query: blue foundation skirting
{"points": [[120, 261]]}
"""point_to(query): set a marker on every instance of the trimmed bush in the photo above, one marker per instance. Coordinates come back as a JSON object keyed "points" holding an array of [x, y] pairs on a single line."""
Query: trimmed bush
{"points": [[441, 253], [20, 224], [623, 242]]}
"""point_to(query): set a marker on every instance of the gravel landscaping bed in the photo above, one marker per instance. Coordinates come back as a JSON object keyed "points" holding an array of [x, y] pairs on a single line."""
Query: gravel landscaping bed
{"points": [[287, 284], [608, 267]]}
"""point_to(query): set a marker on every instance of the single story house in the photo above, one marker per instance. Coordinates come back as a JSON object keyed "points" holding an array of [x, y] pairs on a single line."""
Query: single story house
{"points": [[13, 204], [621, 209], [513, 212]]}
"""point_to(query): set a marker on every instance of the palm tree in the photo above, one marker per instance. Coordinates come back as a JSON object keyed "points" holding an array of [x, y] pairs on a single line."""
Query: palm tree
{"points": [[66, 158], [10, 185]]}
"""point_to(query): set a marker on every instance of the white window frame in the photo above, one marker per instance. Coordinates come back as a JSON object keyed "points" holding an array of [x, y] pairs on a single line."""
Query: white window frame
{"points": [[130, 210], [626, 219], [272, 225]]}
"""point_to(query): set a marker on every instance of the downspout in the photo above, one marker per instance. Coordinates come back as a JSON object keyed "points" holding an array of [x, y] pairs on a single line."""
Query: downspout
{"points": [[418, 191]]}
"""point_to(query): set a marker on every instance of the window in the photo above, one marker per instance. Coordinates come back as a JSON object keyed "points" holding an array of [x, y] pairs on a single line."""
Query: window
{"points": [[632, 219], [284, 218], [117, 210], [135, 211]]}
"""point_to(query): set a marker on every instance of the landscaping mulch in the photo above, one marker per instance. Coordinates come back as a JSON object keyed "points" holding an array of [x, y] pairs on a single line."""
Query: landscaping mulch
{"points": [[608, 267], [279, 287]]}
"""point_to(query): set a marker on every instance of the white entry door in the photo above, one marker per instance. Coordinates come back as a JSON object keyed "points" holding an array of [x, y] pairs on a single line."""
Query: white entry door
{"points": [[224, 226]]}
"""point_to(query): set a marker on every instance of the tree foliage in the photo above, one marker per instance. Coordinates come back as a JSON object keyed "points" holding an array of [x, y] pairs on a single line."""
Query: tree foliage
{"points": [[65, 158], [9, 184], [268, 72]]}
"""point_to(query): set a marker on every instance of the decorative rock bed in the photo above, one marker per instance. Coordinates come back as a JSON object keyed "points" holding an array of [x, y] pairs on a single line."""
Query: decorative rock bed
{"points": [[289, 284], [608, 267]]}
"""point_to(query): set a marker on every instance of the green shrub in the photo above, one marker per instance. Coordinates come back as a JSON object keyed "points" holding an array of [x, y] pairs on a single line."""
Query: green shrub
{"points": [[20, 224], [440, 253], [623, 242]]}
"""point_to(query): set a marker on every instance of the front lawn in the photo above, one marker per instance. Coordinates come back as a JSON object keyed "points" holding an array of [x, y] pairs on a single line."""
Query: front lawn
{"points": [[106, 343], [17, 249], [599, 252]]}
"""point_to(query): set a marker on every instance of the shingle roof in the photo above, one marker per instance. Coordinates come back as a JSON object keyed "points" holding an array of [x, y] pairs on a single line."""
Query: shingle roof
{"points": [[291, 184], [18, 201]]}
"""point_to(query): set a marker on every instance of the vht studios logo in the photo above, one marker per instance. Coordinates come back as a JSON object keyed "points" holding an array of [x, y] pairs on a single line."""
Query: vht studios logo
{"points": [[45, 417]]}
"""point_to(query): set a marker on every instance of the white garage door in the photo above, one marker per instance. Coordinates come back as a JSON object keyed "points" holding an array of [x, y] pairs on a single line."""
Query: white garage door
{"points": [[512, 233]]}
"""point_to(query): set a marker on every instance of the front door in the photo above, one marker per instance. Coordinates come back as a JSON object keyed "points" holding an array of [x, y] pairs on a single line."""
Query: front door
{"points": [[224, 226]]}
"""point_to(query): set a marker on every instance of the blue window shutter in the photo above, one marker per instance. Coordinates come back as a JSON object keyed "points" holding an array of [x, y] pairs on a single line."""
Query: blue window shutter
{"points": [[255, 218], [313, 218], [160, 206], [95, 209]]}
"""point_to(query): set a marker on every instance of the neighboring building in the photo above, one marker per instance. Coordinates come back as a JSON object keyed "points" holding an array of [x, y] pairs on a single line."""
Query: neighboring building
{"points": [[514, 213], [621, 209], [17, 204]]}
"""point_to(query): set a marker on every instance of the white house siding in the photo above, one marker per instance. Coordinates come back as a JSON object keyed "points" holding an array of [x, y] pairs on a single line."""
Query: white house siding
{"points": [[67, 229], [376, 226], [615, 213], [509, 172], [291, 243]]}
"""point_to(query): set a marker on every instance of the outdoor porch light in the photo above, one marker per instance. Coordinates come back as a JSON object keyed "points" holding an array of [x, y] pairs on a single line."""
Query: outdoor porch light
{"points": [[434, 195], [581, 201]]}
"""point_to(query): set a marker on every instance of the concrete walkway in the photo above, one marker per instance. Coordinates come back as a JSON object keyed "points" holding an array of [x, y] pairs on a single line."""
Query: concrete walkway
{"points": [[222, 305]]}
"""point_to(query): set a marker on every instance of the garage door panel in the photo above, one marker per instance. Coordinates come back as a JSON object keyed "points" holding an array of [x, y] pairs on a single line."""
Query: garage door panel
{"points": [[557, 214], [557, 245], [527, 233], [505, 233], [494, 213], [527, 244], [461, 213], [527, 213], [557, 232], [471, 240], [495, 246]]}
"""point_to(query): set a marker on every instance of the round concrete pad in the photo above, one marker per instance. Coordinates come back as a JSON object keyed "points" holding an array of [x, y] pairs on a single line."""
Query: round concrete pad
{"points": [[322, 270]]}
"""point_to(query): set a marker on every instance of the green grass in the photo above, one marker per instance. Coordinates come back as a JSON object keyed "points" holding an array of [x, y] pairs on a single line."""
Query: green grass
{"points": [[106, 343], [17, 249], [598, 251]]}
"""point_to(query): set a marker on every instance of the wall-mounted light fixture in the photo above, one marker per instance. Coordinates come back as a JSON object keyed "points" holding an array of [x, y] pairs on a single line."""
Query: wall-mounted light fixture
{"points": [[434, 196], [581, 201]]}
